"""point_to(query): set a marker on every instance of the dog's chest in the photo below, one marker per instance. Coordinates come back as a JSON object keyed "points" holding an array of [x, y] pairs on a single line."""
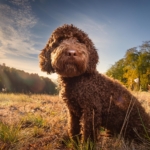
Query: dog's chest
{"points": [[80, 92]]}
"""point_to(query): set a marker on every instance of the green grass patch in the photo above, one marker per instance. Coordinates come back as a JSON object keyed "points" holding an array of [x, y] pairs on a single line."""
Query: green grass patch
{"points": [[31, 120], [9, 133]]}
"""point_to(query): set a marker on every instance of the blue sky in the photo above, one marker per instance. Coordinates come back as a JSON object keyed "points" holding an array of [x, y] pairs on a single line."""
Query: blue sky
{"points": [[113, 25]]}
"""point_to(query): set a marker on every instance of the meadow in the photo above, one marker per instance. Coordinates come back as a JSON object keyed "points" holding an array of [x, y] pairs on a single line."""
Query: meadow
{"points": [[39, 122]]}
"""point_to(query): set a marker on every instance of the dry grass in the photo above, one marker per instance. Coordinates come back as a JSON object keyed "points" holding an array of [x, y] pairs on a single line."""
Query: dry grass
{"points": [[39, 122], [144, 98]]}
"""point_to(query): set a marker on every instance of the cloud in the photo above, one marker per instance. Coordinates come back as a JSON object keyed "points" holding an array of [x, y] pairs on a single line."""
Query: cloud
{"points": [[15, 29]]}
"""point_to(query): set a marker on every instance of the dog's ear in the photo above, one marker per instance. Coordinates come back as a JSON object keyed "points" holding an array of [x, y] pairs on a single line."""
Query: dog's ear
{"points": [[92, 51], [45, 60], [93, 56], [93, 60]]}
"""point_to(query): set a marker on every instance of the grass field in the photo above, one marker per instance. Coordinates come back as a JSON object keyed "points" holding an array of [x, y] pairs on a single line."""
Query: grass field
{"points": [[39, 122]]}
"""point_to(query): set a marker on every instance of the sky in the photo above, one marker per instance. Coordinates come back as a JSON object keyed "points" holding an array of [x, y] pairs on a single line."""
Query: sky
{"points": [[114, 26]]}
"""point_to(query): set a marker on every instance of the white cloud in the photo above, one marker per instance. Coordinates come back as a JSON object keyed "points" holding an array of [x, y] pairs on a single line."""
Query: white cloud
{"points": [[16, 22]]}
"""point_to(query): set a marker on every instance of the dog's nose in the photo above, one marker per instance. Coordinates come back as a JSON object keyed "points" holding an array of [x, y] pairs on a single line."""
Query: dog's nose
{"points": [[71, 52]]}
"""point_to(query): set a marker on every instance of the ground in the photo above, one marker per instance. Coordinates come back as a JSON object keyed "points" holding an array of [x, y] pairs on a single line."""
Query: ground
{"points": [[39, 122]]}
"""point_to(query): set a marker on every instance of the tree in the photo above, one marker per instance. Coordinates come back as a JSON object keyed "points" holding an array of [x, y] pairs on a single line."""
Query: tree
{"points": [[21, 82], [117, 71], [134, 65], [144, 64], [131, 68]]}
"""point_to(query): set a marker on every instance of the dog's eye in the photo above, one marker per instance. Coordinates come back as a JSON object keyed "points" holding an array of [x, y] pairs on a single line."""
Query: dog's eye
{"points": [[77, 41], [60, 40]]}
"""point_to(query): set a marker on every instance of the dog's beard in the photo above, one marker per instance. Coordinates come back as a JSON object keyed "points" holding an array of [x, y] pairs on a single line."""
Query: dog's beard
{"points": [[69, 66]]}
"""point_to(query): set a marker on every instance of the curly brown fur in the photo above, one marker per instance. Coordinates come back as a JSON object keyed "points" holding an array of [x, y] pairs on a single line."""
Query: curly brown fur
{"points": [[93, 99]]}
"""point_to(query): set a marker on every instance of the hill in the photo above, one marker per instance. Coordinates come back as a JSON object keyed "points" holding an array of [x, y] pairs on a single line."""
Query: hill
{"points": [[18, 81]]}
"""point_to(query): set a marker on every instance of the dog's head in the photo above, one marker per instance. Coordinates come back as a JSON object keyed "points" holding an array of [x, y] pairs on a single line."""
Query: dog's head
{"points": [[69, 52]]}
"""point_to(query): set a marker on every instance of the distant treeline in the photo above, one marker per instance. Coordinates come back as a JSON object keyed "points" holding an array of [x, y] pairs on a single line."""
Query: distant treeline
{"points": [[134, 69], [13, 80]]}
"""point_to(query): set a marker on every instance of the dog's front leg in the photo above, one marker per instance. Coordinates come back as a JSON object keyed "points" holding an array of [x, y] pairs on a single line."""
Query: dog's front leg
{"points": [[87, 125], [74, 125]]}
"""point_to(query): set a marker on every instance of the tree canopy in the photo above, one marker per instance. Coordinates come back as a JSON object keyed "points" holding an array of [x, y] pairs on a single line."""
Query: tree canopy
{"points": [[13, 80], [134, 69]]}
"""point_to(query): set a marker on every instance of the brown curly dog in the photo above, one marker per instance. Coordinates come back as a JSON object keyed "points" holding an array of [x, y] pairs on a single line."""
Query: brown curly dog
{"points": [[93, 100]]}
